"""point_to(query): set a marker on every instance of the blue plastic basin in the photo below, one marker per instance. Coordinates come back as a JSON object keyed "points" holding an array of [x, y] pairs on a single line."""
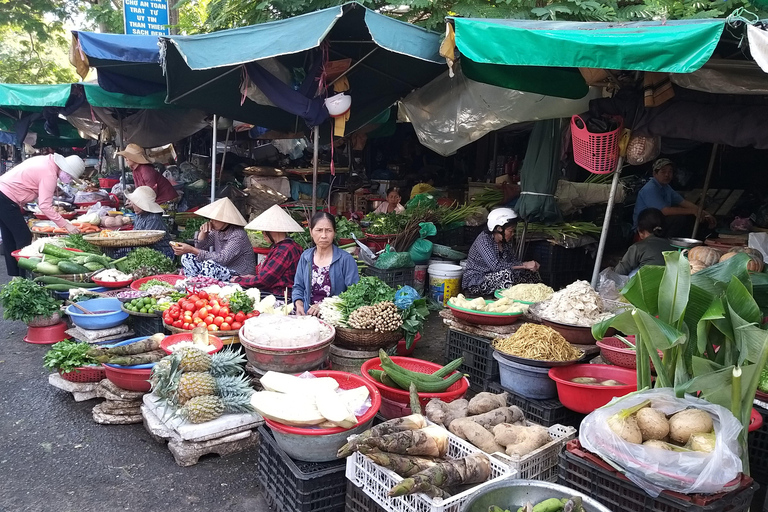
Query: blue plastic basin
{"points": [[114, 317]]}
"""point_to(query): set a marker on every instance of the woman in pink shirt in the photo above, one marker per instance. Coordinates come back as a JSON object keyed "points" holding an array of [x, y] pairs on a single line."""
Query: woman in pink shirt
{"points": [[145, 175], [33, 179]]}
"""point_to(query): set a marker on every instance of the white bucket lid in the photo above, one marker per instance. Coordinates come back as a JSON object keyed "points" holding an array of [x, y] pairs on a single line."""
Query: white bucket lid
{"points": [[445, 267]]}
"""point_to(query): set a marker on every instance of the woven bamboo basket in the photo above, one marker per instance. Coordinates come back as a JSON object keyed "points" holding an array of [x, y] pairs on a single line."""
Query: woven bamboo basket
{"points": [[125, 238], [227, 337], [156, 314], [366, 339]]}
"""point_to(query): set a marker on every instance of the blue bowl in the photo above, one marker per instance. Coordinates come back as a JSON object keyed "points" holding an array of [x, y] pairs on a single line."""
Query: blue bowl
{"points": [[114, 317], [65, 295], [131, 367]]}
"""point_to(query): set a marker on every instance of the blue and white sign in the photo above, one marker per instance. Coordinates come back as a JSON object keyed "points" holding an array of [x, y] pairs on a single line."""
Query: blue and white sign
{"points": [[146, 17]]}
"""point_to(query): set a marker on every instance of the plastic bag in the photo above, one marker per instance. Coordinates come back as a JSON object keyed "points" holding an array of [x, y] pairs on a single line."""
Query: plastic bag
{"points": [[390, 259], [759, 241], [655, 470], [611, 284], [422, 199], [421, 250], [405, 296]]}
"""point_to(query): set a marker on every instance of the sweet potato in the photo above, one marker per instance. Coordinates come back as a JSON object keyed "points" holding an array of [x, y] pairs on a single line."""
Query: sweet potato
{"points": [[476, 434], [511, 414], [485, 402], [520, 440], [444, 413]]}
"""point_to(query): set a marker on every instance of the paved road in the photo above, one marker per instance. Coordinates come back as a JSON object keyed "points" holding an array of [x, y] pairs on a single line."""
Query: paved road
{"points": [[53, 457]]}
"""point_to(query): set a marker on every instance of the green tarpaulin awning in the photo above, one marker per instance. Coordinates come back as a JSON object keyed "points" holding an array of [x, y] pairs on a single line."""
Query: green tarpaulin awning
{"points": [[33, 98], [544, 56], [98, 97]]}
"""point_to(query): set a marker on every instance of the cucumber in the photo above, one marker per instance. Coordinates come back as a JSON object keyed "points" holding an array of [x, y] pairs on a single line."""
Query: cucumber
{"points": [[47, 269], [61, 287], [67, 267], [95, 258], [449, 368], [385, 360], [58, 252], [48, 280], [424, 383], [52, 260], [93, 265], [29, 263]]}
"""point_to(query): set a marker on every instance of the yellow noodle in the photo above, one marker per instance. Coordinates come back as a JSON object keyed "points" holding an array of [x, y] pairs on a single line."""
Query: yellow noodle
{"points": [[533, 341]]}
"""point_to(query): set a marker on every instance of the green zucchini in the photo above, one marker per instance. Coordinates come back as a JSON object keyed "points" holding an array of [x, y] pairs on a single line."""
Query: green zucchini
{"points": [[449, 368], [93, 265], [51, 259], [61, 287], [29, 263], [47, 269], [58, 252], [387, 363], [424, 383], [59, 280], [68, 267]]}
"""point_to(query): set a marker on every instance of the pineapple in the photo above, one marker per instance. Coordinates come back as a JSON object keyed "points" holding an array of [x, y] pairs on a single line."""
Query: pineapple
{"points": [[185, 386], [226, 362], [206, 408]]}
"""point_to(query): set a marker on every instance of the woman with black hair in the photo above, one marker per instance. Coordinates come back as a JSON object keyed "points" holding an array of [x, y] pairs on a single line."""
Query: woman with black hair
{"points": [[392, 204], [324, 270], [648, 251]]}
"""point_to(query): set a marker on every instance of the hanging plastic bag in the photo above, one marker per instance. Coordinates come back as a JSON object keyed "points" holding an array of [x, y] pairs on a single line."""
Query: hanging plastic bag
{"points": [[421, 250], [391, 259], [422, 200], [655, 469], [611, 284], [405, 296]]}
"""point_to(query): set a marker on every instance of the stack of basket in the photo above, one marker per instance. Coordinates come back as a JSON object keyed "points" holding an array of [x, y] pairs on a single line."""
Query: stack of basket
{"points": [[353, 347]]}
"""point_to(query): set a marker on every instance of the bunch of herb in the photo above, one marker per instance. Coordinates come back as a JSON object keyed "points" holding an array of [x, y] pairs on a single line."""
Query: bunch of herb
{"points": [[240, 301], [191, 227], [387, 223], [154, 282], [304, 239], [76, 241], [366, 292], [257, 239], [413, 320], [25, 300], [345, 228], [148, 260], [68, 355]]}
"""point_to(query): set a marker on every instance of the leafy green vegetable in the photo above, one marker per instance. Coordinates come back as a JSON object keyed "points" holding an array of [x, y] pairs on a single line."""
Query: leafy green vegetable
{"points": [[191, 227], [76, 241], [152, 261], [763, 384], [25, 300], [367, 292], [258, 239], [304, 239], [154, 282], [386, 223], [67, 355], [413, 320], [345, 228], [240, 301]]}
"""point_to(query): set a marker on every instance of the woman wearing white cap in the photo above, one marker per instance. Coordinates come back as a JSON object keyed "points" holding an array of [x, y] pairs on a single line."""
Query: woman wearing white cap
{"points": [[491, 263], [275, 274], [149, 215], [222, 248], [34, 178]]}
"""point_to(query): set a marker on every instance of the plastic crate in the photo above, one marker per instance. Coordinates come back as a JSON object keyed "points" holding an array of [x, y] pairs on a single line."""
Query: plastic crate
{"points": [[393, 277], [295, 486], [554, 258], [479, 365], [586, 473], [541, 464], [452, 237], [376, 481], [471, 233], [543, 412], [146, 325], [358, 501], [758, 451]]}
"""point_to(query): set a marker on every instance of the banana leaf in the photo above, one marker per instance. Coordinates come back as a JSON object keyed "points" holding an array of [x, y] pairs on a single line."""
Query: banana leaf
{"points": [[642, 291], [674, 288]]}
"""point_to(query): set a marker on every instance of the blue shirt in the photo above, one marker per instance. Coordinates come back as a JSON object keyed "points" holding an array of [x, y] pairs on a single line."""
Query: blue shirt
{"points": [[343, 273], [655, 195]]}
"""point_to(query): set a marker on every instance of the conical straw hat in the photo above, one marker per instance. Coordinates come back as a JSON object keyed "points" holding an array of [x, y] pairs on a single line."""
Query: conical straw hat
{"points": [[275, 219], [222, 210]]}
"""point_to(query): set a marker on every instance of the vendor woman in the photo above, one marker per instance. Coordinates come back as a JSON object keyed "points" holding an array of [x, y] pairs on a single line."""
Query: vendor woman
{"points": [[491, 263], [324, 270], [650, 249], [33, 179], [392, 204], [222, 248], [149, 215], [145, 174], [275, 274]]}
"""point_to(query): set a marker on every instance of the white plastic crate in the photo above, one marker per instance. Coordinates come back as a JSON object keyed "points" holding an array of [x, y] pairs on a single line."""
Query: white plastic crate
{"points": [[376, 481], [540, 464]]}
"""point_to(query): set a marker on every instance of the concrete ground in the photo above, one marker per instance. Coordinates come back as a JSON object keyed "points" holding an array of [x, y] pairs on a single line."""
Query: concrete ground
{"points": [[53, 456]]}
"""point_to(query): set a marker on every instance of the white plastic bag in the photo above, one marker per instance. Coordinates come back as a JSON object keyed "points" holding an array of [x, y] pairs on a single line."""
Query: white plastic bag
{"points": [[759, 241], [654, 469], [611, 284]]}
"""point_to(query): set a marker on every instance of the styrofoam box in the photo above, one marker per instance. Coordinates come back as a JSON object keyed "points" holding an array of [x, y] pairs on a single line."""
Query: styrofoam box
{"points": [[540, 464], [376, 481]]}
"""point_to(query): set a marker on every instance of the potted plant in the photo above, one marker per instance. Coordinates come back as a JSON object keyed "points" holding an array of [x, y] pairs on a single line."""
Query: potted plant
{"points": [[708, 326], [25, 300]]}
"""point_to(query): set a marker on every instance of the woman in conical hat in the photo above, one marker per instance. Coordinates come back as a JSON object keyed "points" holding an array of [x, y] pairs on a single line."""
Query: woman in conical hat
{"points": [[275, 274], [222, 248]]}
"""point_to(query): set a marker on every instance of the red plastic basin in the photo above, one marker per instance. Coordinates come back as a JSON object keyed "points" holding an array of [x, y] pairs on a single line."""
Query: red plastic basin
{"points": [[402, 351], [131, 379], [585, 398], [456, 391], [187, 336], [346, 381], [168, 278], [47, 335]]}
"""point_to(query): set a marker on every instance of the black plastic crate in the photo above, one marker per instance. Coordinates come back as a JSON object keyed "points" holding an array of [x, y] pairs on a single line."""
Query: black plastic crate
{"points": [[295, 486], [554, 258], [146, 325], [758, 451], [358, 501], [618, 493], [543, 412], [452, 237], [479, 364], [471, 233], [395, 277]]}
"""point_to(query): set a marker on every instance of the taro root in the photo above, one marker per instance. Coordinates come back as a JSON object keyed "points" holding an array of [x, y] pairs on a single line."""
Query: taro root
{"points": [[690, 421], [653, 423]]}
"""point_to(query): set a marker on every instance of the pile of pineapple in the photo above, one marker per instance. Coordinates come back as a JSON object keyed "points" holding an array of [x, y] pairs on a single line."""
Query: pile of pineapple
{"points": [[201, 387]]}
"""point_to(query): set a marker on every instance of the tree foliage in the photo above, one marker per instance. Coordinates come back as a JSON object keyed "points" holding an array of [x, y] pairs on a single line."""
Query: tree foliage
{"points": [[24, 59]]}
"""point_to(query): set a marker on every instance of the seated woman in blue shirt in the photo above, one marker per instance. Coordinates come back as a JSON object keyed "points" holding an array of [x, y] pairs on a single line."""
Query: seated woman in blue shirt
{"points": [[323, 270], [149, 215], [680, 214]]}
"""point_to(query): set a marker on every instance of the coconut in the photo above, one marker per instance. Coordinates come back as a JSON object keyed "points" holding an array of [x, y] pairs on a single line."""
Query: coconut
{"points": [[690, 421], [653, 423], [655, 443]]}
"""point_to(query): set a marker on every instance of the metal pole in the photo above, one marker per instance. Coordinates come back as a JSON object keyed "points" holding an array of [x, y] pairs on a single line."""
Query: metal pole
{"points": [[315, 158], [705, 189], [495, 156], [606, 223], [120, 146], [213, 159], [224, 157]]}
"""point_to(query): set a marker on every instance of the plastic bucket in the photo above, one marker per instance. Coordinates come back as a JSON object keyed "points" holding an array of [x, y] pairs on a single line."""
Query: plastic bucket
{"points": [[419, 278], [524, 380], [444, 281]]}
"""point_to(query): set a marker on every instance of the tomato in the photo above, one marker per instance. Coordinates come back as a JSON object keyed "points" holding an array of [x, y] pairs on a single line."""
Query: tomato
{"points": [[228, 319], [209, 319], [189, 306], [203, 294], [199, 303], [225, 326], [186, 325], [178, 324], [175, 314], [236, 326], [240, 317], [193, 298], [252, 314], [213, 327], [218, 321], [167, 319], [205, 311], [215, 302], [224, 311], [198, 321]]}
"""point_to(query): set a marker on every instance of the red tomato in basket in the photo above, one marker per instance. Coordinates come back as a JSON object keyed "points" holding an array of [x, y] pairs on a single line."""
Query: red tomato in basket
{"points": [[236, 326], [167, 319], [200, 303], [215, 309], [228, 319], [240, 317], [193, 298], [252, 314], [178, 324], [189, 306], [224, 311], [187, 326], [209, 319], [225, 326], [203, 312], [202, 294], [218, 321], [213, 327]]}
